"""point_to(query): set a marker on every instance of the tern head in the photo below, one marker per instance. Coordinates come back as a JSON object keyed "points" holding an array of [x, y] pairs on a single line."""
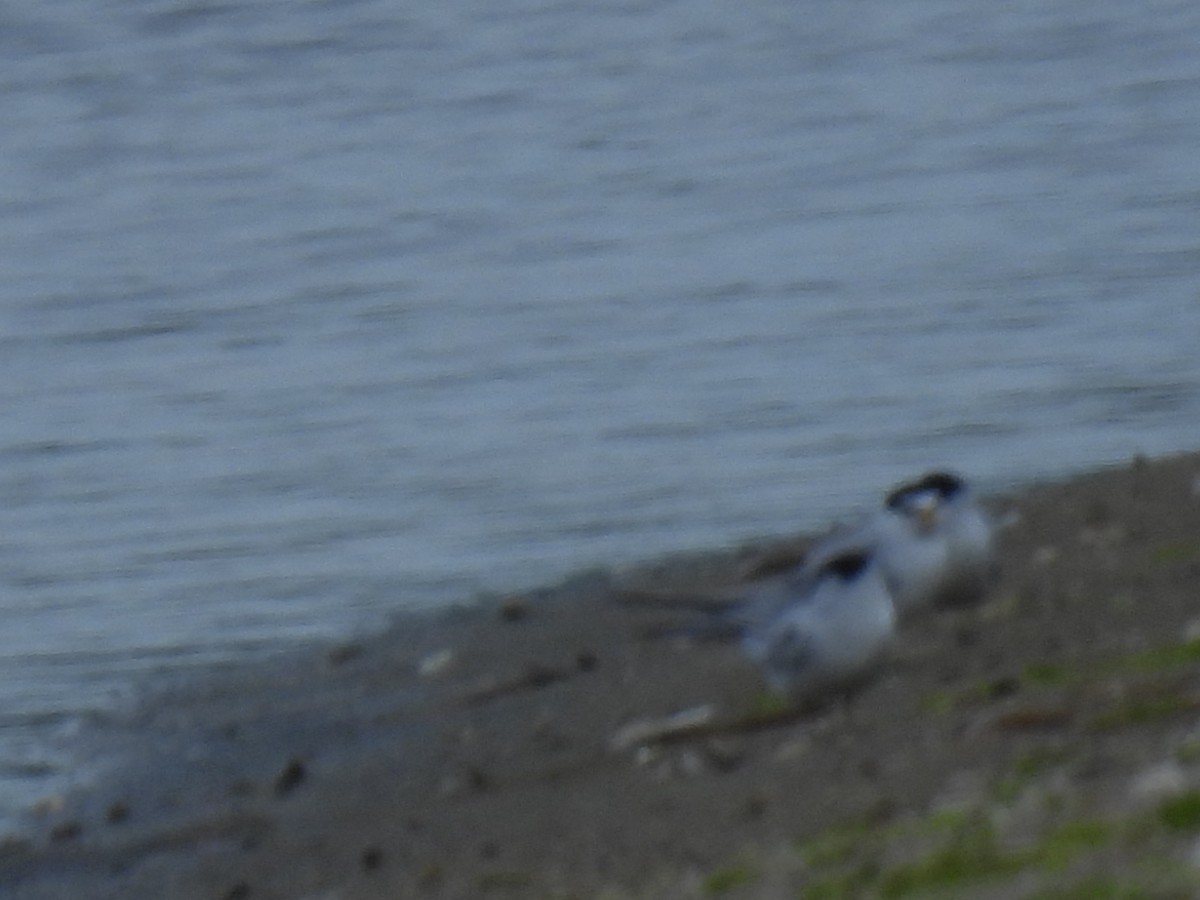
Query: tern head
{"points": [[941, 485], [921, 500]]}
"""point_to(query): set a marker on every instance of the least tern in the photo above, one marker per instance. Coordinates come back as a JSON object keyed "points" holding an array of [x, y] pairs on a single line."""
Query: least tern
{"points": [[833, 633], [932, 541], [943, 514]]}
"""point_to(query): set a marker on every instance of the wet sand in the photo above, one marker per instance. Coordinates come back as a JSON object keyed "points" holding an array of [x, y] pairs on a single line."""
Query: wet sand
{"points": [[1045, 741]]}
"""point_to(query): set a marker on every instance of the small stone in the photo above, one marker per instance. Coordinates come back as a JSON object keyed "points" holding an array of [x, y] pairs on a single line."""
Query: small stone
{"points": [[435, 663], [66, 831], [793, 749], [431, 875], [473, 780], [547, 736], [1043, 556], [48, 805], [691, 764], [117, 813], [243, 787], [963, 790], [966, 636], [1097, 512], [1102, 538], [1004, 686], [646, 755], [538, 675], [724, 755], [478, 780], [513, 609], [292, 776], [344, 653], [1158, 782], [754, 807]]}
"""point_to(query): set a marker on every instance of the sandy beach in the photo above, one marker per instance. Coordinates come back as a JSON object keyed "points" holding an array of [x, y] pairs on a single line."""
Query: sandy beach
{"points": [[1045, 743]]}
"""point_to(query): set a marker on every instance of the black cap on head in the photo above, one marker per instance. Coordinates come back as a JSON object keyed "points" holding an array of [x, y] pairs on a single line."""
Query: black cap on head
{"points": [[944, 484], [846, 565]]}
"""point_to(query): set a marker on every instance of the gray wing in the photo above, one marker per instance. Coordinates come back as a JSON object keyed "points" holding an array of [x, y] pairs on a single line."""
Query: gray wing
{"points": [[790, 653]]}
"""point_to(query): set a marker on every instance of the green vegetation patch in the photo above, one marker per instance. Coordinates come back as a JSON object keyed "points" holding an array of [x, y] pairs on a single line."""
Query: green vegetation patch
{"points": [[768, 703], [971, 855], [505, 881], [1047, 674], [835, 845], [1168, 656], [844, 885], [1055, 675], [730, 877], [1176, 551], [1188, 751], [1039, 759], [1093, 889], [1071, 839], [1139, 711], [965, 850], [1181, 813], [979, 692]]}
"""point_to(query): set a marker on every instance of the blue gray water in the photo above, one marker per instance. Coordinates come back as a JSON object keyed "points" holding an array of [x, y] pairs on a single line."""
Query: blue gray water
{"points": [[314, 311]]}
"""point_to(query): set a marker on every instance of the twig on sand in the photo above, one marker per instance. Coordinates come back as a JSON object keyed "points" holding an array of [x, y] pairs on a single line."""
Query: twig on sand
{"points": [[698, 723], [533, 677]]}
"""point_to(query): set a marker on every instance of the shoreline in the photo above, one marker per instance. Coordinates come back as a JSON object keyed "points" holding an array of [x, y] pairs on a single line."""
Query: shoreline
{"points": [[470, 752]]}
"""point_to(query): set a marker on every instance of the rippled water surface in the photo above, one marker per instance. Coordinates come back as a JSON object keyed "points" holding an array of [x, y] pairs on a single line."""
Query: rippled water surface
{"points": [[314, 311]]}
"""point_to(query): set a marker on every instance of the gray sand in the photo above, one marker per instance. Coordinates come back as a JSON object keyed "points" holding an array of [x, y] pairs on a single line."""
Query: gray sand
{"points": [[1046, 741]]}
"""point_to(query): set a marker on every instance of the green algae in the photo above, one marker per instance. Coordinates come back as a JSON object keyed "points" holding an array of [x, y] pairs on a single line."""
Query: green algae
{"points": [[975, 854], [974, 694], [1167, 656], [1039, 759], [1071, 839], [1142, 710], [1093, 889], [1047, 674], [506, 881], [836, 845], [1176, 551], [972, 854], [1181, 813], [961, 849], [730, 877], [769, 703], [1188, 751], [843, 885]]}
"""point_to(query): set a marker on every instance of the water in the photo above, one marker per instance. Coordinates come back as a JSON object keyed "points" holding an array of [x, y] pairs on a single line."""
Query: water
{"points": [[315, 311]]}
